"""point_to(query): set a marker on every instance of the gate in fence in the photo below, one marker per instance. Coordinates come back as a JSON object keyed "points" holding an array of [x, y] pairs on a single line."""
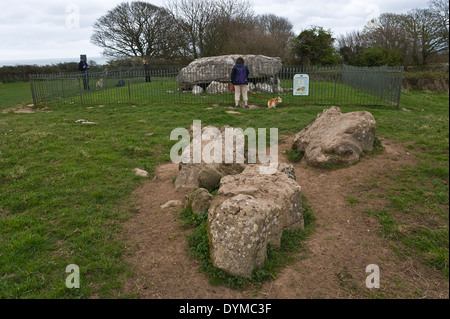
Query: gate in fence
{"points": [[334, 85]]}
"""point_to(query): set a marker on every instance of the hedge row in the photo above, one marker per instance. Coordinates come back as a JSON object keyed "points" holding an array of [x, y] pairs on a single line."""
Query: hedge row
{"points": [[426, 80]]}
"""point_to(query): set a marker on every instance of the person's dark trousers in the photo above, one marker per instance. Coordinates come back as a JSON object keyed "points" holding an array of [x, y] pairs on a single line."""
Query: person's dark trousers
{"points": [[86, 81]]}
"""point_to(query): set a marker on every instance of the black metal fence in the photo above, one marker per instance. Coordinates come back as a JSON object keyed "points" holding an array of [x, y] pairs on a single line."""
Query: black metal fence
{"points": [[335, 85]]}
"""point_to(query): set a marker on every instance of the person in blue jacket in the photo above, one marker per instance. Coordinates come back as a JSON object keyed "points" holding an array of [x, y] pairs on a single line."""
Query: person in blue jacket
{"points": [[239, 79], [83, 67]]}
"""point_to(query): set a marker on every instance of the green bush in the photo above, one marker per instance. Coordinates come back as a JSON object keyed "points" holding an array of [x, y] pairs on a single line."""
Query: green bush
{"points": [[431, 80], [378, 56]]}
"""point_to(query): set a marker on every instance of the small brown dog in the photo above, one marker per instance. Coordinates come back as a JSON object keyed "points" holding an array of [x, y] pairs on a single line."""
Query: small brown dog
{"points": [[272, 103], [100, 83]]}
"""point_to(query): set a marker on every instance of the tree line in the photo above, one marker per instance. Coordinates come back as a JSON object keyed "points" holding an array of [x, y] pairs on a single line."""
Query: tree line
{"points": [[185, 30], [412, 38], [22, 72]]}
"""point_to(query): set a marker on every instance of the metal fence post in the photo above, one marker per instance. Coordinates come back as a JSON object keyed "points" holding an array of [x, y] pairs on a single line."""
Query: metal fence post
{"points": [[32, 90], [79, 87], [179, 87], [273, 82], [400, 83], [129, 89]]}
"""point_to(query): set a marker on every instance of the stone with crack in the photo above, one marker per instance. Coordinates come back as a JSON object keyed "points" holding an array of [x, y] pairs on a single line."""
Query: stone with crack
{"points": [[251, 211]]}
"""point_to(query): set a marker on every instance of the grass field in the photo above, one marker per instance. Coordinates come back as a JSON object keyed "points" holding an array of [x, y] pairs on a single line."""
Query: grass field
{"points": [[135, 90], [65, 186]]}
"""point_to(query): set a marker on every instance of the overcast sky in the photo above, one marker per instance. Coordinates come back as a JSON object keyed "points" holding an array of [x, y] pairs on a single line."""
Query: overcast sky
{"points": [[45, 29]]}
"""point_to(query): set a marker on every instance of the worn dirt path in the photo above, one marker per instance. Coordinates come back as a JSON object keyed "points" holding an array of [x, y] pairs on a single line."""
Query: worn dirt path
{"points": [[332, 265]]}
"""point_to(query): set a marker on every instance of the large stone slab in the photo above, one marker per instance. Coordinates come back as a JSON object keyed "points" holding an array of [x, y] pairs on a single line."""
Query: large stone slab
{"points": [[336, 138], [251, 211], [208, 174], [218, 68]]}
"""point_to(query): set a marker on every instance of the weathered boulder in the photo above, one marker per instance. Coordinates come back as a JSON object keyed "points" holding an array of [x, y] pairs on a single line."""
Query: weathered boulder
{"points": [[209, 177], [336, 138], [171, 203], [198, 200], [208, 174], [140, 172], [197, 89], [218, 68], [264, 87], [218, 88], [270, 86], [251, 211]]}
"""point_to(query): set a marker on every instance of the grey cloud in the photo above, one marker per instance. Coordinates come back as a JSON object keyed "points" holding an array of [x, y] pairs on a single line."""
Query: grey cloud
{"points": [[33, 28]]}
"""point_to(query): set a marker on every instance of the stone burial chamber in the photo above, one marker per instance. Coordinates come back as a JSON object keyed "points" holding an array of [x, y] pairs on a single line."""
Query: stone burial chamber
{"points": [[212, 74], [336, 138], [251, 209]]}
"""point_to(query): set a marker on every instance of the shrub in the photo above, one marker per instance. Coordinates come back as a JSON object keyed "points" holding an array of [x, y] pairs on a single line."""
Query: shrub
{"points": [[378, 56], [431, 80]]}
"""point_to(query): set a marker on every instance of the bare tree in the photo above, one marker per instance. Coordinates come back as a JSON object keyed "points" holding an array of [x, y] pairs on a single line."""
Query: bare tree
{"points": [[440, 12], [351, 46], [264, 34], [274, 25], [190, 29], [138, 29], [279, 32], [415, 35], [424, 35], [388, 32], [206, 23]]}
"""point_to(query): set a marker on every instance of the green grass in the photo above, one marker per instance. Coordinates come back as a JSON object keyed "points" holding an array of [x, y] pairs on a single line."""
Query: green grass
{"points": [[65, 187], [431, 245], [294, 155], [165, 90], [416, 218], [13, 94]]}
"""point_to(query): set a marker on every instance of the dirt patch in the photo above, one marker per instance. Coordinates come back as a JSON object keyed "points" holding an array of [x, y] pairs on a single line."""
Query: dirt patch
{"points": [[18, 109], [333, 264], [21, 109]]}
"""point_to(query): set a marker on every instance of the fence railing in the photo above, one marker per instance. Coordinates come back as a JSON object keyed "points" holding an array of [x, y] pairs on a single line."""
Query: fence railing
{"points": [[334, 85], [382, 82]]}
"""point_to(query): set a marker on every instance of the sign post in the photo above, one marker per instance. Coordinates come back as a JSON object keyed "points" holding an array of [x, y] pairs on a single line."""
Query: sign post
{"points": [[301, 84]]}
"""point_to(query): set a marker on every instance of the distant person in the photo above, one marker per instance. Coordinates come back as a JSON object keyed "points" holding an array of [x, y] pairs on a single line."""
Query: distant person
{"points": [[147, 71], [239, 79], [84, 67]]}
